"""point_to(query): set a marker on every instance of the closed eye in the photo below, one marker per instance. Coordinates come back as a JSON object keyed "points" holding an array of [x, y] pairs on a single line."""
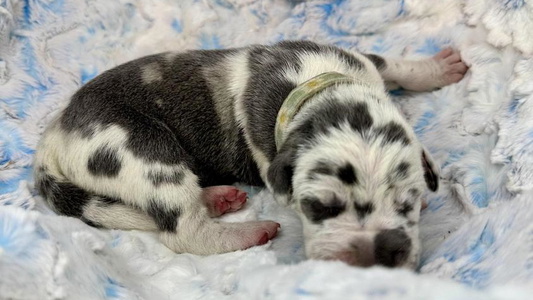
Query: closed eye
{"points": [[363, 209], [317, 211]]}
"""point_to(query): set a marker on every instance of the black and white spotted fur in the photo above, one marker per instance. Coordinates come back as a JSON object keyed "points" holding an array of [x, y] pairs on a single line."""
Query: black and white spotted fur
{"points": [[136, 145]]}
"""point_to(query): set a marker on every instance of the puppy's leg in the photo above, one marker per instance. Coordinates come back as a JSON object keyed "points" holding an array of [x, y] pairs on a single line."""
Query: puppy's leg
{"points": [[107, 213], [442, 69]]}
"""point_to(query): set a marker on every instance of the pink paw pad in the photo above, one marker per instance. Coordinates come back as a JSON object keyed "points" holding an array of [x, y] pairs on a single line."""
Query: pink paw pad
{"points": [[223, 199]]}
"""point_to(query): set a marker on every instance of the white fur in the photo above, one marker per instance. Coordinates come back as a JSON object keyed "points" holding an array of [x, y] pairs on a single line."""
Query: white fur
{"points": [[151, 73]]}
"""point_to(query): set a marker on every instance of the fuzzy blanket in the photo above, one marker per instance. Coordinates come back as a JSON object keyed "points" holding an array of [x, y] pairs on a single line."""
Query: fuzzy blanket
{"points": [[477, 232]]}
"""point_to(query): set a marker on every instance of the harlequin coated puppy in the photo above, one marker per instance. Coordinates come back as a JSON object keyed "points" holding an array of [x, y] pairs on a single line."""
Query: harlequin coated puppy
{"points": [[154, 144]]}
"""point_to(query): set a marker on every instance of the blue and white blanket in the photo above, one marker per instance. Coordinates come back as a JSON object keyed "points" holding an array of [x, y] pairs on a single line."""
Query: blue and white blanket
{"points": [[477, 232]]}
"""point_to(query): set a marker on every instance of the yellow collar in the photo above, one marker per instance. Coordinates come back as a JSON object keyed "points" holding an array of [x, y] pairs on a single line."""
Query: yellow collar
{"points": [[299, 95]]}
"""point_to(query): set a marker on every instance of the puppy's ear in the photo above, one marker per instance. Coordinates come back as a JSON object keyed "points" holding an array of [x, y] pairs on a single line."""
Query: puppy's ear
{"points": [[431, 171], [281, 170]]}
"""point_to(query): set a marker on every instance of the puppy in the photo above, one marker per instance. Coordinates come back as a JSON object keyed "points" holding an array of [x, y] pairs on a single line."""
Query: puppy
{"points": [[154, 144]]}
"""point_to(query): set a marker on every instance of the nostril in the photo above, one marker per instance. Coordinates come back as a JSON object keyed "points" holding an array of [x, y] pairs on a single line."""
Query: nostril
{"points": [[391, 247]]}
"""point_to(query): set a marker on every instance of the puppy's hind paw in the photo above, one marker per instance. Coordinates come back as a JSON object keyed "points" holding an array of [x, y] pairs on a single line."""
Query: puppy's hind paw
{"points": [[258, 233], [223, 199]]}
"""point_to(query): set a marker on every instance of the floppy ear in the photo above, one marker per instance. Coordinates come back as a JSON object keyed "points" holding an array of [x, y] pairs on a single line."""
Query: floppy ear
{"points": [[280, 172], [431, 172]]}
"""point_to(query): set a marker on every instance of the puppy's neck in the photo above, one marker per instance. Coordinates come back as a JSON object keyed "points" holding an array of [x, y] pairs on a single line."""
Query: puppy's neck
{"points": [[303, 93]]}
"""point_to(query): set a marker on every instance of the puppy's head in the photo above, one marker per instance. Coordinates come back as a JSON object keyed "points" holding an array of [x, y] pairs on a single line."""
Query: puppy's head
{"points": [[356, 174]]}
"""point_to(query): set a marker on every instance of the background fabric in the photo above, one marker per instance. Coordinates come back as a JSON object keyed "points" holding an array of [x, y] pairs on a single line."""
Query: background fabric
{"points": [[477, 232]]}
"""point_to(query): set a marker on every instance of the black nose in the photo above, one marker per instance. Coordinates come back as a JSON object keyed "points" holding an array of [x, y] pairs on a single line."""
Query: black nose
{"points": [[392, 247]]}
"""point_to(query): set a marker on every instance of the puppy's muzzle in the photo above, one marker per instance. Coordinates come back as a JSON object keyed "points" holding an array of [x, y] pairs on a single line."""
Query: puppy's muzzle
{"points": [[390, 248]]}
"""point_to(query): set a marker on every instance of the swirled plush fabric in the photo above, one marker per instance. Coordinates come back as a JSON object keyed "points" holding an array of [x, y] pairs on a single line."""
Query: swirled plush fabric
{"points": [[477, 232]]}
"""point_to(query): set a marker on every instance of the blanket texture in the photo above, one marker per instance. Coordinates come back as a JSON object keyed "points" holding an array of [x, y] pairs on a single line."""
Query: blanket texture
{"points": [[477, 232]]}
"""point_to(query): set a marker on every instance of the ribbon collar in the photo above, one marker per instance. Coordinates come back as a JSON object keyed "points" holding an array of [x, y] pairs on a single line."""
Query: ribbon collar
{"points": [[299, 95]]}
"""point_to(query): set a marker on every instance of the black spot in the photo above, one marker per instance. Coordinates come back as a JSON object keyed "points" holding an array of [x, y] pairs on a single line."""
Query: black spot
{"points": [[333, 114], [392, 133], [347, 174], [363, 209], [411, 223], [378, 61], [104, 162], [65, 198], [166, 220], [430, 174], [317, 212], [159, 177], [405, 208], [392, 247], [402, 170]]}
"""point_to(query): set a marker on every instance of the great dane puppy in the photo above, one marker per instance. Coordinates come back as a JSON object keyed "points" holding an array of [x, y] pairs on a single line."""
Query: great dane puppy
{"points": [[155, 143]]}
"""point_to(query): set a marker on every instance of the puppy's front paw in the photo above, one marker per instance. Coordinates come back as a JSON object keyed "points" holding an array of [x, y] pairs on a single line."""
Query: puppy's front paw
{"points": [[452, 68]]}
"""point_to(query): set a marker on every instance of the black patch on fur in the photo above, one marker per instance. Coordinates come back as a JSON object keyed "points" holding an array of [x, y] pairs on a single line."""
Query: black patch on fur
{"points": [[66, 198], [332, 115], [402, 170], [363, 209], [104, 162], [405, 208], [411, 223], [347, 174], [377, 60], [166, 220], [430, 175], [391, 247], [392, 133], [159, 177], [317, 212]]}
